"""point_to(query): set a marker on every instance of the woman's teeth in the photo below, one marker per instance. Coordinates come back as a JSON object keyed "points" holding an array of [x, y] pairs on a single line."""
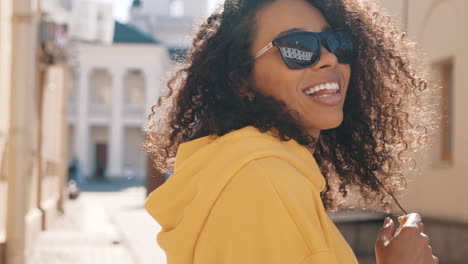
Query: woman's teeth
{"points": [[328, 89]]}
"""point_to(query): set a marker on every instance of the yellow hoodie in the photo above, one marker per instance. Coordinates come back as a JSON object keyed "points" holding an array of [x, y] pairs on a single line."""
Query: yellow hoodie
{"points": [[244, 198]]}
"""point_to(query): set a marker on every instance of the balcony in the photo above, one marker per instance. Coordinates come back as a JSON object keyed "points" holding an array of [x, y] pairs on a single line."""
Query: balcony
{"points": [[101, 111]]}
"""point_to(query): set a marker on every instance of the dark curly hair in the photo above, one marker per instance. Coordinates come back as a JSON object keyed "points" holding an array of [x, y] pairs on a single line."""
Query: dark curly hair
{"points": [[207, 96]]}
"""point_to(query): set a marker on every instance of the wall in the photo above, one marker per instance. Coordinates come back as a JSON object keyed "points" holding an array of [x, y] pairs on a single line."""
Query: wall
{"points": [[5, 83], [53, 159], [438, 192], [27, 106], [440, 187], [23, 215]]}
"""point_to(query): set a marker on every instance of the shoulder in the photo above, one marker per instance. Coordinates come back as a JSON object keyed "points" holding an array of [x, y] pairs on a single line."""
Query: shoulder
{"points": [[268, 183], [276, 174]]}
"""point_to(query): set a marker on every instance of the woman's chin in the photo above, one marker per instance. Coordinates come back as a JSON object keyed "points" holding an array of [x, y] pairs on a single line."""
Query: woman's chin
{"points": [[329, 123]]}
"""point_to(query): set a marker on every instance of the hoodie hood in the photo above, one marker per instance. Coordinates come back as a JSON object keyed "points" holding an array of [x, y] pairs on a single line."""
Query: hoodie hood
{"points": [[203, 167]]}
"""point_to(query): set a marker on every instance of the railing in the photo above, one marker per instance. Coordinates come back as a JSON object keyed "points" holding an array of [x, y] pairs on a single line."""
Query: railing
{"points": [[134, 112], [101, 110]]}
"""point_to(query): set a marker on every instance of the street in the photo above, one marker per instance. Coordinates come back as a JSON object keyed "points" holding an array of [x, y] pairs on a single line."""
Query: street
{"points": [[102, 227]]}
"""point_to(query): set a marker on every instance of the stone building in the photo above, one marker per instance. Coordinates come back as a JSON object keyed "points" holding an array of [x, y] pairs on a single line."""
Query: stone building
{"points": [[114, 87], [33, 74], [170, 21], [438, 191]]}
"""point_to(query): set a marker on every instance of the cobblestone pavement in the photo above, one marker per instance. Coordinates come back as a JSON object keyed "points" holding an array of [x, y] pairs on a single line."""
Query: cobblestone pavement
{"points": [[101, 228]]}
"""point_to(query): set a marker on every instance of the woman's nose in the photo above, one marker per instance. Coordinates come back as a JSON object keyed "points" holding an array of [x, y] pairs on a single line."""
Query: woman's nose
{"points": [[327, 60]]}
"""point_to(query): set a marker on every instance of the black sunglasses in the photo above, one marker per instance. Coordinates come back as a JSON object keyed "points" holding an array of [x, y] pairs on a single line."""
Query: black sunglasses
{"points": [[302, 49]]}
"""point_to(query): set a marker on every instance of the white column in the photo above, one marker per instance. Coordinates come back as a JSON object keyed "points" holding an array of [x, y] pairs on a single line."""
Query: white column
{"points": [[115, 165], [81, 139]]}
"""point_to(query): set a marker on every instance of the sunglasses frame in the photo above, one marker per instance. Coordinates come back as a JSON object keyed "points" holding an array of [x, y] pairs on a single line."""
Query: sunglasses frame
{"points": [[321, 37]]}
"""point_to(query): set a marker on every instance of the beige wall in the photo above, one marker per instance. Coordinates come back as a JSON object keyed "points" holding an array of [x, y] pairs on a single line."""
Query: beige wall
{"points": [[395, 8], [5, 82], [25, 152], [439, 27], [53, 139], [23, 216]]}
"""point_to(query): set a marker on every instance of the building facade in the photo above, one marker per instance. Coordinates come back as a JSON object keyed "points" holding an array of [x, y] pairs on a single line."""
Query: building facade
{"points": [[32, 126], [438, 191], [113, 90], [437, 27], [170, 21]]}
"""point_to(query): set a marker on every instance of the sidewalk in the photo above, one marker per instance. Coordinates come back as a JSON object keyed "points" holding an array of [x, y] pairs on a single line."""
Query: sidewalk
{"points": [[108, 224], [100, 228]]}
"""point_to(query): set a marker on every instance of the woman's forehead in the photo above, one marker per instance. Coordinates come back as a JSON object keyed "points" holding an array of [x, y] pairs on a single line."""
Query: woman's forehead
{"points": [[284, 16], [281, 16]]}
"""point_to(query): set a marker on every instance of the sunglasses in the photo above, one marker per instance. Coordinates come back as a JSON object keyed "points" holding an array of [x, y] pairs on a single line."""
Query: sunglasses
{"points": [[302, 49]]}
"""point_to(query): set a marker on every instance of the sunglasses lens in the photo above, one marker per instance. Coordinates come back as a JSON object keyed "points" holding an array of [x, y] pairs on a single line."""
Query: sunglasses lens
{"points": [[299, 51], [341, 45]]}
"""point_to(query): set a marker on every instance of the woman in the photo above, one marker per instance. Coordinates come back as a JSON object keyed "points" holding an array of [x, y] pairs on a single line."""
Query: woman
{"points": [[282, 105]]}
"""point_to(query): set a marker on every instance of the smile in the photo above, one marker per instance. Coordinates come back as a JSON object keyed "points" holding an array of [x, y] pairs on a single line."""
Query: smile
{"points": [[323, 90]]}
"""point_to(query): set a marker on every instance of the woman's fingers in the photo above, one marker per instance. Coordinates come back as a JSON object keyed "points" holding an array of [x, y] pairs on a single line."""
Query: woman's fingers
{"points": [[412, 219], [386, 232], [409, 243], [425, 238]]}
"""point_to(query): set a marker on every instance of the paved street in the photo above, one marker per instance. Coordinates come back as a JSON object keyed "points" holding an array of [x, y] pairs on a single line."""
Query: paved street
{"points": [[107, 224], [102, 226]]}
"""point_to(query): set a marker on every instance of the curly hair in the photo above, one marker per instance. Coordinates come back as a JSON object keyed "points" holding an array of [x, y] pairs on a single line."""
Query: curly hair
{"points": [[207, 97]]}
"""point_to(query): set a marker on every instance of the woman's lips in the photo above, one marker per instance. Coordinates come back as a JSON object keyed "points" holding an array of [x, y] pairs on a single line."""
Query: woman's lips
{"points": [[330, 99], [327, 93]]}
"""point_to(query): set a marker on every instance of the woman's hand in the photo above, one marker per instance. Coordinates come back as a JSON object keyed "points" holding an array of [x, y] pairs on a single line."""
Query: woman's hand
{"points": [[408, 245]]}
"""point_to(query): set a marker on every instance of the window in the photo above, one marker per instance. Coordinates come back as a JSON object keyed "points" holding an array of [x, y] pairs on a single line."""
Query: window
{"points": [[135, 89], [446, 77], [72, 91], [101, 87]]}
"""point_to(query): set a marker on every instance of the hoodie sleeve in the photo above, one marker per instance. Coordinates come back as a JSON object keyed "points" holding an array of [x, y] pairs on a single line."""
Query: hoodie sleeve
{"points": [[267, 213]]}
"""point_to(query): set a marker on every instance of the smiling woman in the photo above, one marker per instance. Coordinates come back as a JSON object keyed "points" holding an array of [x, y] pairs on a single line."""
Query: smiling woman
{"points": [[281, 106]]}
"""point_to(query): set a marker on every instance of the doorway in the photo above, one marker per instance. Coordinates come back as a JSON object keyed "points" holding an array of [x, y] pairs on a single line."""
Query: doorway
{"points": [[101, 160]]}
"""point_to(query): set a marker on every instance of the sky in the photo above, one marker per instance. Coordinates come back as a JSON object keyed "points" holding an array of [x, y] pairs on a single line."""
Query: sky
{"points": [[121, 7]]}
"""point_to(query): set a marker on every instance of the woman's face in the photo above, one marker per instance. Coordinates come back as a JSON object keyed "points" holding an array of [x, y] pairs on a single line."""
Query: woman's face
{"points": [[272, 77]]}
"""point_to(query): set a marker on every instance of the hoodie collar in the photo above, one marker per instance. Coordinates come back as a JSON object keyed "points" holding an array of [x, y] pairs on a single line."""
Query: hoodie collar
{"points": [[189, 148]]}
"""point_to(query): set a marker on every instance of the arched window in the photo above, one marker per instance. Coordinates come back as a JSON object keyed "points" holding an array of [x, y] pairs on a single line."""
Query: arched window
{"points": [[134, 89], [100, 87]]}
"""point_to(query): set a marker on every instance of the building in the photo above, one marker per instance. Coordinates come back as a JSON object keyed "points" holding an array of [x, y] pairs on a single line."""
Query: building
{"points": [[438, 192], [114, 87], [33, 72], [171, 21]]}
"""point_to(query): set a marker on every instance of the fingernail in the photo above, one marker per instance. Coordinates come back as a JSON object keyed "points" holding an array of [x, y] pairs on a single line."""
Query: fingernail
{"points": [[401, 219]]}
